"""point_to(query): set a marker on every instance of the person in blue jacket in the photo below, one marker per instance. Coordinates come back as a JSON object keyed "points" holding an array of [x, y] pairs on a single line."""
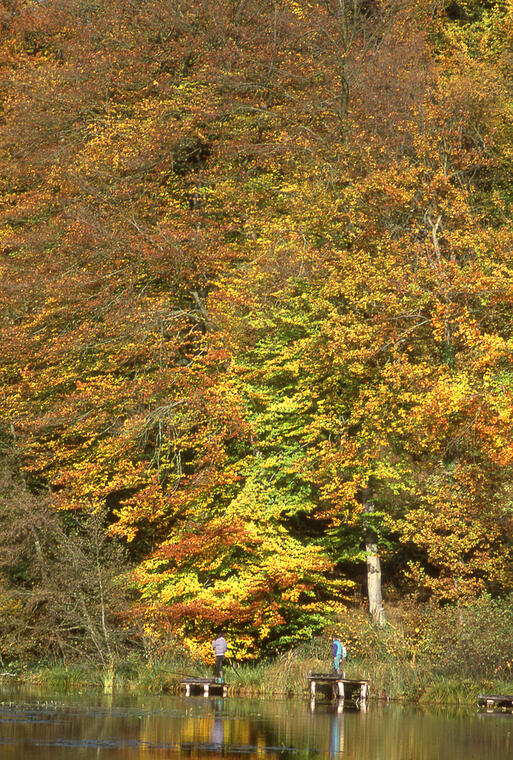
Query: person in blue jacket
{"points": [[339, 653]]}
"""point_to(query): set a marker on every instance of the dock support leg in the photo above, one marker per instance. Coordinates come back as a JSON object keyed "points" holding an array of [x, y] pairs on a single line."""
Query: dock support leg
{"points": [[225, 691], [340, 689], [187, 690], [206, 688], [364, 691], [312, 689]]}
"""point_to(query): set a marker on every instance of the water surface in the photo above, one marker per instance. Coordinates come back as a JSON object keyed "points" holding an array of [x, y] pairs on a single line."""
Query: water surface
{"points": [[39, 727]]}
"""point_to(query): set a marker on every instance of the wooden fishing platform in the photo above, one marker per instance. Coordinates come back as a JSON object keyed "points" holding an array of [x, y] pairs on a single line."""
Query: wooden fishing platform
{"points": [[333, 685], [206, 686], [492, 702]]}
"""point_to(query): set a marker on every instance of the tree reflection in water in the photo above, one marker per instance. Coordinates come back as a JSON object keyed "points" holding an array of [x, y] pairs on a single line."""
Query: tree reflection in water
{"points": [[34, 727]]}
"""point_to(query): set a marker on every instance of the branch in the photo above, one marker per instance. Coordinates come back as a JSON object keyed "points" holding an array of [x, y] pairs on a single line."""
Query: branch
{"points": [[210, 326], [434, 234]]}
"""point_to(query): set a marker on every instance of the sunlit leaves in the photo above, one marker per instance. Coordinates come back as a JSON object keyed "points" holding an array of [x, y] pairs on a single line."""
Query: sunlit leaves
{"points": [[256, 260]]}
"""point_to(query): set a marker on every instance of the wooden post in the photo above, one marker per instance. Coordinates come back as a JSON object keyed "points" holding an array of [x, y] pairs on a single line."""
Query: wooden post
{"points": [[364, 691], [312, 689], [187, 690], [341, 692], [205, 690]]}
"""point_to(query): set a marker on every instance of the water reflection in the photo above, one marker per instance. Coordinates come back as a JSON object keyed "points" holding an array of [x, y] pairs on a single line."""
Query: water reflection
{"points": [[337, 733], [217, 737], [141, 728]]}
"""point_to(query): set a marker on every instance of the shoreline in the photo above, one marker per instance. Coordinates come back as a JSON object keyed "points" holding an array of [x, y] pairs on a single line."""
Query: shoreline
{"points": [[258, 680]]}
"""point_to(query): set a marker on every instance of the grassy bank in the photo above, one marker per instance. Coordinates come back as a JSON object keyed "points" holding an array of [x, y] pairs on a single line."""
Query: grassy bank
{"points": [[286, 676], [432, 656]]}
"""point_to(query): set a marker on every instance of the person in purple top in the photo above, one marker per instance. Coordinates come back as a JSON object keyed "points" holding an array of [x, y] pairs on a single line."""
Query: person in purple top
{"points": [[220, 646]]}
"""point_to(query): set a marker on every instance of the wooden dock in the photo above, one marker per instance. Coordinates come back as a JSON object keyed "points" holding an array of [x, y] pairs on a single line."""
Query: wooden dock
{"points": [[354, 690], [492, 702], [206, 686]]}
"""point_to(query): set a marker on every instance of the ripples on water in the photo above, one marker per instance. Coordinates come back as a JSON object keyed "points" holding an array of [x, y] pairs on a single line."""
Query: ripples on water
{"points": [[145, 728]]}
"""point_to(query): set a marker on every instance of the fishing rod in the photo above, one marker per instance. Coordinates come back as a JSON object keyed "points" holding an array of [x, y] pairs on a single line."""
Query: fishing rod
{"points": [[230, 663], [227, 662], [176, 672]]}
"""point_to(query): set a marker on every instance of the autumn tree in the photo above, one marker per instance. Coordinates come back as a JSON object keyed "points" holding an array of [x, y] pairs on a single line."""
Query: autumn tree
{"points": [[62, 587], [255, 299]]}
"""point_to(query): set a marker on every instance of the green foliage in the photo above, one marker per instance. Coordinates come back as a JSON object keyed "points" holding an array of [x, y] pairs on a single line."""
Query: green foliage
{"points": [[255, 266], [472, 640]]}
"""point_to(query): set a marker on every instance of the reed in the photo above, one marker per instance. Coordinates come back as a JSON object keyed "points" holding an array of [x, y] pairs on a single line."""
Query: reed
{"points": [[284, 676], [449, 691], [419, 657], [62, 678]]}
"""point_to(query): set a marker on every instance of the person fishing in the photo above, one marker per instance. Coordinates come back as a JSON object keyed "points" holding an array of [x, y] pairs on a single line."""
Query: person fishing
{"points": [[219, 646], [339, 653]]}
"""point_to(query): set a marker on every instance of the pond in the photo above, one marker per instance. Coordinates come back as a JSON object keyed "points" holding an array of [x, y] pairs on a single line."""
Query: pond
{"points": [[39, 727]]}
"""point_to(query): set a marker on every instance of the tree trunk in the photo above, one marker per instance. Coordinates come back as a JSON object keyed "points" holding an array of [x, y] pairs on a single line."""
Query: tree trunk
{"points": [[374, 593]]}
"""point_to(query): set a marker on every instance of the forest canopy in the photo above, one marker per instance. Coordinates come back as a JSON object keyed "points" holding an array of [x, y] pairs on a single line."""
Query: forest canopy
{"points": [[256, 314]]}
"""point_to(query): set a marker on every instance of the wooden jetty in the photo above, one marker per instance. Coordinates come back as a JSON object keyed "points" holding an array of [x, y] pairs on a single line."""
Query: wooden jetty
{"points": [[206, 686], [493, 702], [333, 685]]}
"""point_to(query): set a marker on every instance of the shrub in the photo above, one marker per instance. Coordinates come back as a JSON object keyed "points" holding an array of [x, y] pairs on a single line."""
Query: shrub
{"points": [[473, 640]]}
